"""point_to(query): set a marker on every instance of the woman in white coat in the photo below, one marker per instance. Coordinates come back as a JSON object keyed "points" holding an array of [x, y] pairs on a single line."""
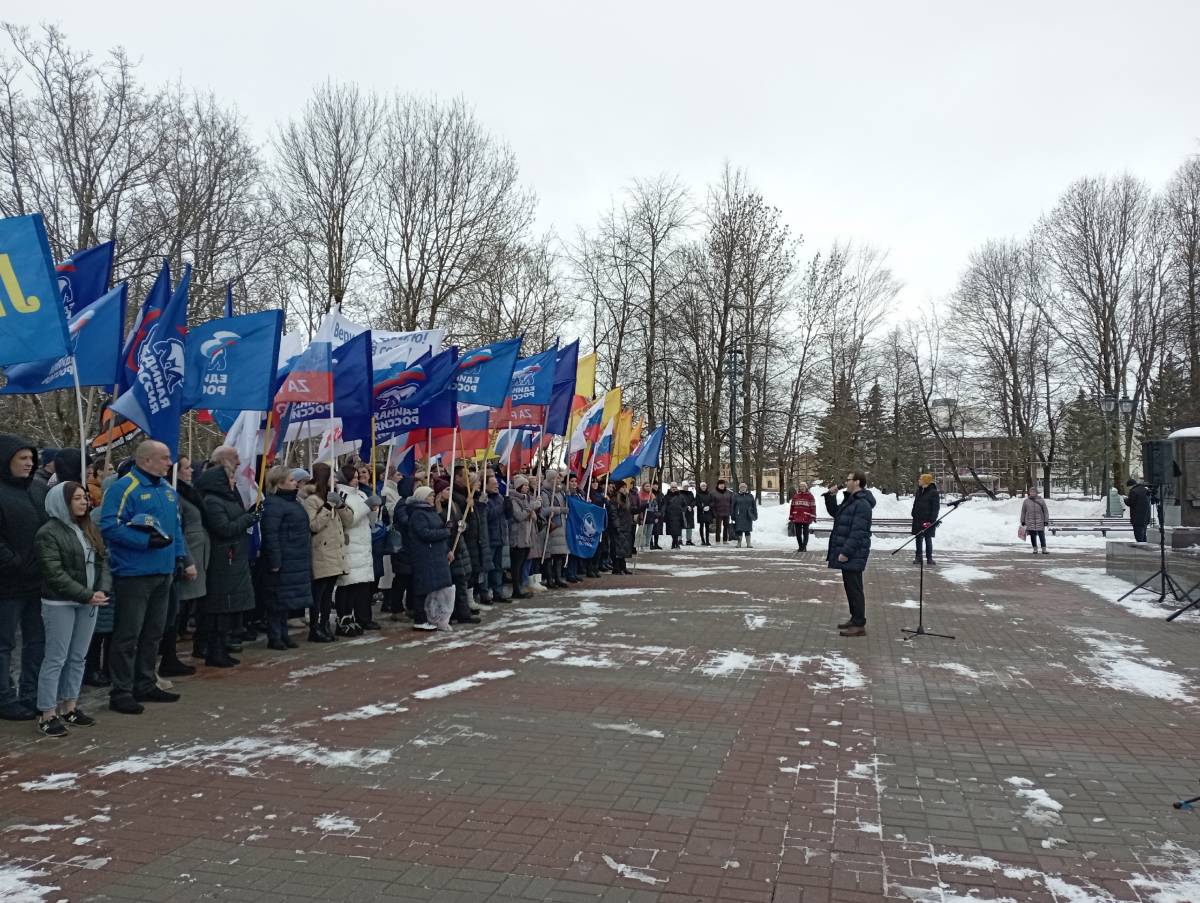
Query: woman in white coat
{"points": [[355, 589]]}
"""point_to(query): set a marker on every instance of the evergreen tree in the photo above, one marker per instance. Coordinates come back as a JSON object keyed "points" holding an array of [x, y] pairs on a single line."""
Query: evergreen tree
{"points": [[1082, 443], [1166, 400], [874, 441], [837, 436]]}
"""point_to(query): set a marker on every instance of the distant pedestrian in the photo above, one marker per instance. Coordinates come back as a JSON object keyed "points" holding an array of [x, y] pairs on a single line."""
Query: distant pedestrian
{"points": [[850, 545], [673, 512], [745, 513], [926, 506], [802, 514], [1138, 503], [1035, 518], [704, 515], [722, 510]]}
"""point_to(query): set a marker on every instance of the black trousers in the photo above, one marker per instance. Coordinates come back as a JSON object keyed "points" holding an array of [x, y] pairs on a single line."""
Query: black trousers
{"points": [[703, 531], [216, 632], [355, 599], [1035, 536], [618, 565], [926, 541], [137, 632], [724, 531], [462, 597], [517, 558], [853, 583], [322, 589], [1139, 532], [277, 624], [801, 536], [166, 646]]}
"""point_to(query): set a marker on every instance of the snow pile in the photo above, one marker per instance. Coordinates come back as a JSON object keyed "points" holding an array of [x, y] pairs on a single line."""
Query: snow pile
{"points": [[1041, 808], [978, 525], [16, 886], [336, 824]]}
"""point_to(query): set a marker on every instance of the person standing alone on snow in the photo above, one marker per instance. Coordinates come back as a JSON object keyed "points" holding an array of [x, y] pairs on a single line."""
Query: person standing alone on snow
{"points": [[926, 506], [1035, 517], [850, 545], [803, 512]]}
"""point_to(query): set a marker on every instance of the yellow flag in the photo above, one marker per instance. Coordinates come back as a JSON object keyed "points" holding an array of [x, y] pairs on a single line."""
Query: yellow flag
{"points": [[585, 378], [636, 436], [612, 405], [621, 439]]}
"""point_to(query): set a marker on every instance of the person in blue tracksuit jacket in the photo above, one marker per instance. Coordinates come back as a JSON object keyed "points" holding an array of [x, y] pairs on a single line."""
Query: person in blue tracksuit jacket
{"points": [[850, 545], [142, 527]]}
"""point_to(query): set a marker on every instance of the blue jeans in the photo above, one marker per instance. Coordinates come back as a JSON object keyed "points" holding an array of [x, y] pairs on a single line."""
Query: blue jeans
{"points": [[572, 567], [68, 633], [22, 613]]}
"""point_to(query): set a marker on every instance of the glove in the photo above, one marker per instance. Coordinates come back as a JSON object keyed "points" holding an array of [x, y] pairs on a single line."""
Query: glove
{"points": [[158, 541], [462, 526], [926, 525], [537, 504]]}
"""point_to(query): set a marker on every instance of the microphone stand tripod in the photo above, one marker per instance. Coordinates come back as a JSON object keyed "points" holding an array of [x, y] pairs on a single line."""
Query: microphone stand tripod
{"points": [[920, 629]]}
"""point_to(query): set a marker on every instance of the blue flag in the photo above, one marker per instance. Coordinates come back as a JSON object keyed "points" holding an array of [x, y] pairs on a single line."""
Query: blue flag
{"points": [[585, 527], [650, 452], [152, 308], [33, 324], [484, 373], [84, 276], [626, 469], [559, 414], [96, 337], [352, 383], [231, 363], [533, 378], [155, 400], [417, 396]]}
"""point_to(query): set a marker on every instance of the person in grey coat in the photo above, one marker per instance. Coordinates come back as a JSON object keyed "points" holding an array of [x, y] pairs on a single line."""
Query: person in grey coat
{"points": [[522, 532], [1035, 517], [553, 540], [745, 513]]}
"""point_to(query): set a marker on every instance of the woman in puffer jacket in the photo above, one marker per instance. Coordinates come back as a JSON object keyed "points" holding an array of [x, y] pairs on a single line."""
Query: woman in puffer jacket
{"points": [[328, 518], [356, 587]]}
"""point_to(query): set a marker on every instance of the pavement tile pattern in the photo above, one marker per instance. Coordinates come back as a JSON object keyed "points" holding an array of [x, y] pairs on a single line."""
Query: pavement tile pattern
{"points": [[695, 732]]}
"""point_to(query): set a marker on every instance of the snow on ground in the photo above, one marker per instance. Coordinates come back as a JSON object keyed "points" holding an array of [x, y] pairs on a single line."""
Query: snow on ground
{"points": [[978, 525], [1040, 807], [463, 683], [1111, 589], [1122, 663], [964, 574], [16, 886]]}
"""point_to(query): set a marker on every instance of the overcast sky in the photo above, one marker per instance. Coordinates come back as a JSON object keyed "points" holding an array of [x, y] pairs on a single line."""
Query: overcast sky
{"points": [[922, 128]]}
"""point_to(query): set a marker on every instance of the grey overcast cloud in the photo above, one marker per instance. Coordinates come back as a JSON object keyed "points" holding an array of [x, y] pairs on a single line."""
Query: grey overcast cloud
{"points": [[921, 128]]}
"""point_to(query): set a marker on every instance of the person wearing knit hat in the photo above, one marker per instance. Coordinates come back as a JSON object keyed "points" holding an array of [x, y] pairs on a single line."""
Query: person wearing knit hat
{"points": [[300, 475], [926, 506]]}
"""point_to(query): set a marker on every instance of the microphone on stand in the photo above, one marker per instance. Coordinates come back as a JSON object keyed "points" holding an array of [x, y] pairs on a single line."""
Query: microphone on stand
{"points": [[957, 502]]}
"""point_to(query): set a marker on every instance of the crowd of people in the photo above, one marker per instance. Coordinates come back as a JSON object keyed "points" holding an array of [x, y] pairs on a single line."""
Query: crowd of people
{"points": [[106, 574]]}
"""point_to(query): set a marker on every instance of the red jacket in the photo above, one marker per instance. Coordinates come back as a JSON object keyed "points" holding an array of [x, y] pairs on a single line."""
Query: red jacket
{"points": [[804, 508]]}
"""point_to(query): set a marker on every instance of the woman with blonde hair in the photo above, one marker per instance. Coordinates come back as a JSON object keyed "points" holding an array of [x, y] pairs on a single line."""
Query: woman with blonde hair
{"points": [[328, 518]]}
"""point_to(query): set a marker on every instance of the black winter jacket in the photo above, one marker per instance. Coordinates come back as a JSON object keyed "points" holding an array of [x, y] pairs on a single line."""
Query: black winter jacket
{"points": [[22, 513], [926, 507], [722, 504], [704, 500], [286, 553], [673, 507], [1138, 502], [230, 587], [851, 534]]}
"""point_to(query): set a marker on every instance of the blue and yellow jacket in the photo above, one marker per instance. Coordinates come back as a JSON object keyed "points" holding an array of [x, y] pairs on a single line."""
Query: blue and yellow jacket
{"points": [[129, 548]]}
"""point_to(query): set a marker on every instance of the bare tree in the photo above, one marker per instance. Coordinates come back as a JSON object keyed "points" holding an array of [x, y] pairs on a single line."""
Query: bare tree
{"points": [[1183, 222], [323, 172], [449, 208]]}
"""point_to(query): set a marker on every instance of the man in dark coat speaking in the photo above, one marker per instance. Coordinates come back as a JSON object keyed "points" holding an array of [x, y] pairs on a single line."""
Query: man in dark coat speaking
{"points": [[850, 545]]}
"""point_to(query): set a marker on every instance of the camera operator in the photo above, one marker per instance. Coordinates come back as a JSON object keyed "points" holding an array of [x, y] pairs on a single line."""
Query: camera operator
{"points": [[1138, 503]]}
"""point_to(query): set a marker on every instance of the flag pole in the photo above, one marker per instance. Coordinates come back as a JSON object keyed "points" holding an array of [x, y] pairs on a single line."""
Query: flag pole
{"points": [[82, 422], [374, 464], [453, 450], [262, 466], [429, 458]]}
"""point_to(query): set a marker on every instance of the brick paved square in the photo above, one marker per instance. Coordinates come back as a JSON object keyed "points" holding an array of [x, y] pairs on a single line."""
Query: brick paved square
{"points": [[704, 736]]}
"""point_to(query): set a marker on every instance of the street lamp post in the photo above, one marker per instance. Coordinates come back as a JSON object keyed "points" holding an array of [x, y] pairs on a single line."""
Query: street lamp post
{"points": [[1108, 404], [735, 372]]}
